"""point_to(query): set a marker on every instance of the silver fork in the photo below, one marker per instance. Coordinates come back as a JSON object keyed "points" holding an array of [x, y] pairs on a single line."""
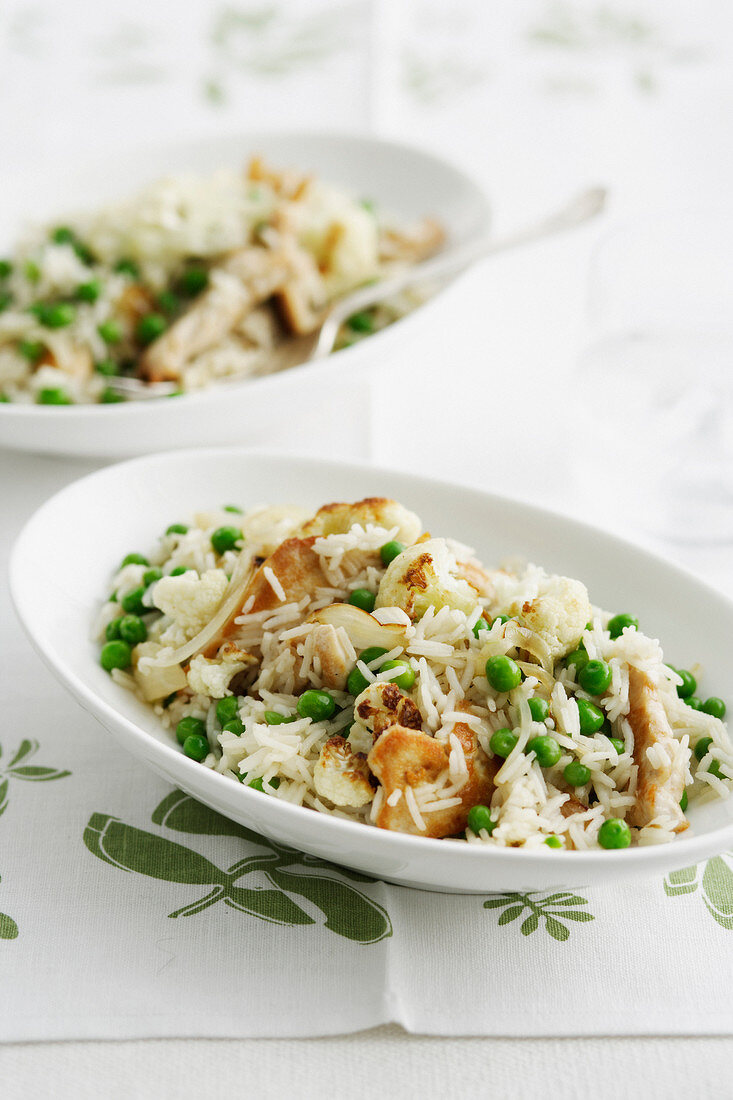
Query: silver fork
{"points": [[584, 206]]}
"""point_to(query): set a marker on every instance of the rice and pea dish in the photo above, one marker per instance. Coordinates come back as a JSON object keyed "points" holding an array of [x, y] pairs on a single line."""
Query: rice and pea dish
{"points": [[349, 662], [193, 280]]}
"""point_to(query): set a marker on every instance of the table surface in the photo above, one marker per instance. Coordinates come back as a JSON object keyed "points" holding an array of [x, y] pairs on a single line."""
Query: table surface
{"points": [[536, 100]]}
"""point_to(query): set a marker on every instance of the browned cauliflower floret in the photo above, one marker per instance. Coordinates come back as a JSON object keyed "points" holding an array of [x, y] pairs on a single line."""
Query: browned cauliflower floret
{"points": [[338, 519], [382, 705], [342, 776], [558, 615], [425, 575]]}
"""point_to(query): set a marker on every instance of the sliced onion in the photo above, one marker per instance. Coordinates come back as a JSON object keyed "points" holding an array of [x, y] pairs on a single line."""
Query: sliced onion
{"points": [[242, 575], [155, 682], [363, 629], [523, 638]]}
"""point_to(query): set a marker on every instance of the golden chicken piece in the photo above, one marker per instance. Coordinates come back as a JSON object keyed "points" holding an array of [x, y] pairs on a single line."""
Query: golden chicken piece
{"points": [[296, 566], [342, 776], [332, 657], [659, 786], [382, 705], [411, 245], [244, 280], [403, 758], [338, 519], [422, 576]]}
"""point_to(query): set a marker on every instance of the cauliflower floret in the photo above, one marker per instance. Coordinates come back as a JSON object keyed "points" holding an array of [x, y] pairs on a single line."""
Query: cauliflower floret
{"points": [[212, 678], [423, 576], [341, 775], [382, 705], [190, 601], [558, 614]]}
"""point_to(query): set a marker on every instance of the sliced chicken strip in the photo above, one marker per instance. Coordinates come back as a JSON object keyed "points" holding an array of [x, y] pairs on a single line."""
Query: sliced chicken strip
{"points": [[298, 570], [243, 281], [411, 245], [333, 657], [403, 758], [660, 782]]}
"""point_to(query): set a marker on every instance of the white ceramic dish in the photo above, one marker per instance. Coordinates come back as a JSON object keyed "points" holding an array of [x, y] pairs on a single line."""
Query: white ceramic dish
{"points": [[404, 181], [58, 573]]}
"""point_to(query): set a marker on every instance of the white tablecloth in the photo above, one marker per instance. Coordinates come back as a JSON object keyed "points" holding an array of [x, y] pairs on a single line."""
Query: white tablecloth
{"points": [[536, 100]]}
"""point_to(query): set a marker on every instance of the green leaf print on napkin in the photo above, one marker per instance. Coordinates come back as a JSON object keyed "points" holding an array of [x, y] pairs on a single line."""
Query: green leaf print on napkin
{"points": [[715, 882], [348, 912], [16, 769], [550, 909]]}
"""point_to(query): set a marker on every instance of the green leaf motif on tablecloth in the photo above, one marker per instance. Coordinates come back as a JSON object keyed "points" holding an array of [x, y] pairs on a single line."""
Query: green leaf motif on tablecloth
{"points": [[542, 912], [16, 768], [714, 881], [348, 912]]}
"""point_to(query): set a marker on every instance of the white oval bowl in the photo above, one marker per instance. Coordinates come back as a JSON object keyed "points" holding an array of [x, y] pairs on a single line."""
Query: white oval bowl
{"points": [[404, 181], [59, 572]]}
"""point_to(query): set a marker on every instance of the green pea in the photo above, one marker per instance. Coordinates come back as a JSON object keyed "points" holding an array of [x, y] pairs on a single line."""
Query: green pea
{"points": [[134, 559], [150, 576], [576, 774], [32, 350], [196, 746], [538, 708], [546, 749], [688, 685], [390, 551], [109, 396], [702, 746], [363, 598], [316, 705], [226, 709], [406, 679], [128, 267], [500, 619], [110, 331], [479, 817], [133, 630], [503, 673], [619, 623], [4, 399], [683, 802], [150, 327], [618, 744], [5, 300], [553, 841], [578, 657], [233, 508], [479, 625], [133, 604], [225, 538], [6, 269], [502, 742], [193, 281], [107, 367], [614, 833], [259, 784], [32, 271], [273, 718], [190, 726], [234, 725], [115, 654], [361, 322], [63, 235], [356, 682], [694, 702], [178, 571], [54, 315], [168, 301], [112, 630], [714, 707], [177, 529], [595, 677], [714, 769], [52, 396], [90, 291]]}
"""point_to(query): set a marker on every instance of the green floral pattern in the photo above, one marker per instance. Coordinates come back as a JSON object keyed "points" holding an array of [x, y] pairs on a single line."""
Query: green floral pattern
{"points": [[348, 912], [714, 882], [547, 912]]}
